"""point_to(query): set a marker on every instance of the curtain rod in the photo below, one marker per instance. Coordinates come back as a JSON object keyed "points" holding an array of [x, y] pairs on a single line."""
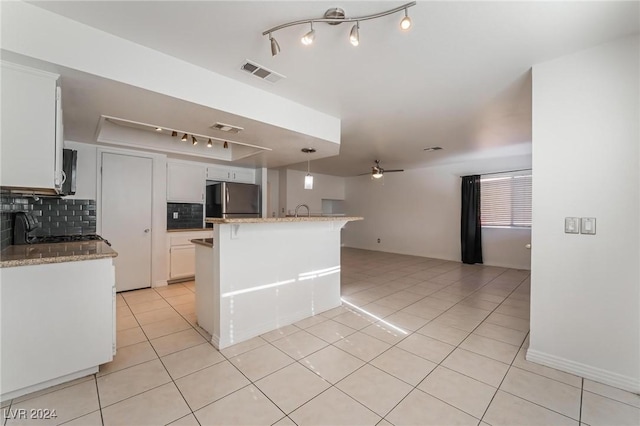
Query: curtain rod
{"points": [[497, 173]]}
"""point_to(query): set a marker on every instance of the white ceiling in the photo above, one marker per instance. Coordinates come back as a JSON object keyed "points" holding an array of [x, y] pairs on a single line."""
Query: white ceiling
{"points": [[459, 79]]}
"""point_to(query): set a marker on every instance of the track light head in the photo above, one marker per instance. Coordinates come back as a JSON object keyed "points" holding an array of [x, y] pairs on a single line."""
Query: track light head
{"points": [[275, 47], [226, 145], [194, 140], [405, 24], [174, 134], [308, 38], [354, 36], [209, 143], [184, 138]]}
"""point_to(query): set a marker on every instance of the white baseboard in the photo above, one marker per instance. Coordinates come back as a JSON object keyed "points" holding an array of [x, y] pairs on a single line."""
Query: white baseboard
{"points": [[583, 370]]}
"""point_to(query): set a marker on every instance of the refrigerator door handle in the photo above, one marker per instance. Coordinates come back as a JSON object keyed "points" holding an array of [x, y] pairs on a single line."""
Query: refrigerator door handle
{"points": [[226, 190]]}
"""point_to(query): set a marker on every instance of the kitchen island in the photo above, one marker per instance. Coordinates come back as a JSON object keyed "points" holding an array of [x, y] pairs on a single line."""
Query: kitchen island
{"points": [[262, 274]]}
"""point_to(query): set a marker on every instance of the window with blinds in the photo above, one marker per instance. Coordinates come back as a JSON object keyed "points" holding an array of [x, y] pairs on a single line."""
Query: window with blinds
{"points": [[505, 199]]}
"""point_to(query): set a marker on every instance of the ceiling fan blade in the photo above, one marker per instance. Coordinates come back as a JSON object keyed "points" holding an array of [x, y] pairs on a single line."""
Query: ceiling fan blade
{"points": [[362, 174], [391, 171]]}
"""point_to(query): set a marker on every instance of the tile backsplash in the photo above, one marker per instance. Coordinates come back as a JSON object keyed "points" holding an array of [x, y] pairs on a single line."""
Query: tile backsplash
{"points": [[189, 215], [58, 216]]}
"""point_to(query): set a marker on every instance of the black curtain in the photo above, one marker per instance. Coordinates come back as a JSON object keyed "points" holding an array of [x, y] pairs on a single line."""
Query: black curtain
{"points": [[470, 230]]}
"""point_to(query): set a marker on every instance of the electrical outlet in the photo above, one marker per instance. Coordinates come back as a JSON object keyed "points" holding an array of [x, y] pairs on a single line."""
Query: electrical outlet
{"points": [[175, 215], [378, 240]]}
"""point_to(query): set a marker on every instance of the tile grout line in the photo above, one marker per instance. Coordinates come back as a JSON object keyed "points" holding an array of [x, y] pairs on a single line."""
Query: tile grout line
{"points": [[581, 397]]}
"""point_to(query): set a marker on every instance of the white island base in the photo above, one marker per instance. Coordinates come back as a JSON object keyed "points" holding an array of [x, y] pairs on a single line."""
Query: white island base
{"points": [[262, 274]]}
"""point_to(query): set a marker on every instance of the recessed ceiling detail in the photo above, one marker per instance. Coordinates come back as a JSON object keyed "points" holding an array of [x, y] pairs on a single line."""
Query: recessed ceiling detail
{"points": [[119, 131], [261, 72]]}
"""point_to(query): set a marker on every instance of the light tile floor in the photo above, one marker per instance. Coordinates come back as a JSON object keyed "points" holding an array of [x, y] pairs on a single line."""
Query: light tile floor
{"points": [[417, 341]]}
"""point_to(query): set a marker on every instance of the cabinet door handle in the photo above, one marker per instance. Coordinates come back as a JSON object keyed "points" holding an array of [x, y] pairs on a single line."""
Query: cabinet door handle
{"points": [[146, 231]]}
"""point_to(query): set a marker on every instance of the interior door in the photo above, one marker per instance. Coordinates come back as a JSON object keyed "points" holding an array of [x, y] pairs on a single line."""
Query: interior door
{"points": [[126, 217]]}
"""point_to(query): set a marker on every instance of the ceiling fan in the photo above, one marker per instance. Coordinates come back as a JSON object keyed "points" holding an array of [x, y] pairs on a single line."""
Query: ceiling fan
{"points": [[377, 172]]}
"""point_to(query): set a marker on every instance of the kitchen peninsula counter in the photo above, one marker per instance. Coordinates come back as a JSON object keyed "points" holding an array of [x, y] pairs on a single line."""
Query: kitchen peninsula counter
{"points": [[263, 274], [38, 254], [284, 219]]}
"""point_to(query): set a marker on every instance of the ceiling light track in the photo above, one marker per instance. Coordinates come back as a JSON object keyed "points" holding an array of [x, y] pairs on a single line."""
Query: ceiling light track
{"points": [[335, 17]]}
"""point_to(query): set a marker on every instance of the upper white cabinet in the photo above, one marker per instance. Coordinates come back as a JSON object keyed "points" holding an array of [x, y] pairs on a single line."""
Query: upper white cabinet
{"points": [[185, 182], [231, 174], [31, 129]]}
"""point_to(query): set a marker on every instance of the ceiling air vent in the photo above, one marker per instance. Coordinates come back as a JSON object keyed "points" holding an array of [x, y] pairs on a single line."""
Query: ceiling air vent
{"points": [[227, 128], [261, 72]]}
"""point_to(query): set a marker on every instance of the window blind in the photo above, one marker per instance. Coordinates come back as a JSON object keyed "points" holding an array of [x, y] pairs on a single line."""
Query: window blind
{"points": [[505, 199]]}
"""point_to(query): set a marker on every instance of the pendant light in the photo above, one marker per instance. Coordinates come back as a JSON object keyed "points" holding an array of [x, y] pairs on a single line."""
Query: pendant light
{"points": [[308, 179], [209, 143], [194, 140], [184, 138]]}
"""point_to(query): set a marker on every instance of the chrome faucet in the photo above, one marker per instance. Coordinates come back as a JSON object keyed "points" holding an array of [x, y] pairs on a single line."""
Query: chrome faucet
{"points": [[303, 205]]}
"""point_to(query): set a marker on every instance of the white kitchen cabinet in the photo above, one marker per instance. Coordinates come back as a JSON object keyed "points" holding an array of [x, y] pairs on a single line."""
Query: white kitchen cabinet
{"points": [[183, 261], [231, 174], [31, 129], [57, 323], [185, 182], [182, 253]]}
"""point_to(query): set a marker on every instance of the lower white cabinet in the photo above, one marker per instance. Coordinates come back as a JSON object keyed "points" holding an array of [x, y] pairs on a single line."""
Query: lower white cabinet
{"points": [[57, 323], [183, 261], [182, 253]]}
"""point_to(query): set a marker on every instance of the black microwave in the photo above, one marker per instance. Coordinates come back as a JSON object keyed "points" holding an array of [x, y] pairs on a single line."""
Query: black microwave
{"points": [[69, 164]]}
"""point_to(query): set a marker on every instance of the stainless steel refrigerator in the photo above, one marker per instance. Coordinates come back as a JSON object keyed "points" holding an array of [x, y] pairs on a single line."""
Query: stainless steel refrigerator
{"points": [[233, 200]]}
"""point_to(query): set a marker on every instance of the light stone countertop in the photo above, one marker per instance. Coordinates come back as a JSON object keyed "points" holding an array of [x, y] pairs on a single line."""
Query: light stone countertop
{"points": [[190, 230], [284, 219], [38, 254]]}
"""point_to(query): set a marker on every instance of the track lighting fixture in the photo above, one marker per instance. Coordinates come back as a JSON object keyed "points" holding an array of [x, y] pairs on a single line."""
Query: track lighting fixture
{"points": [[337, 16], [275, 47], [194, 140], [226, 145], [209, 143], [174, 134], [405, 24], [354, 37], [308, 38], [184, 138], [158, 129]]}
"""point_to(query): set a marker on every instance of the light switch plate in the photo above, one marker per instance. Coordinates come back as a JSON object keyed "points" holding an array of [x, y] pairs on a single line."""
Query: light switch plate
{"points": [[571, 225], [588, 225], [175, 215]]}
